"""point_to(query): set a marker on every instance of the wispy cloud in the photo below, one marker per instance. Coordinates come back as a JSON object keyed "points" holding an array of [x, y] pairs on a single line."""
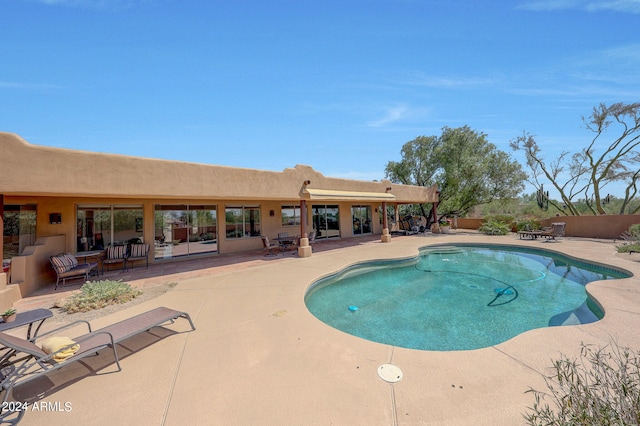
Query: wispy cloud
{"points": [[27, 86], [452, 82], [391, 115], [88, 4], [623, 6]]}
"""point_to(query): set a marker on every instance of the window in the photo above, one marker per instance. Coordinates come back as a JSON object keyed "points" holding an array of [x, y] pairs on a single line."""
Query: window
{"points": [[242, 221], [101, 225], [290, 215], [19, 229], [184, 230]]}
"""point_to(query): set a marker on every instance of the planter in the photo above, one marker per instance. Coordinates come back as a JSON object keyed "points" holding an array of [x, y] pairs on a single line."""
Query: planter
{"points": [[9, 318], [445, 229]]}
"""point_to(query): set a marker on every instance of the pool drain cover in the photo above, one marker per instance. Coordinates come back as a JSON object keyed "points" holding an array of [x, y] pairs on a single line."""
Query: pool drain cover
{"points": [[390, 373]]}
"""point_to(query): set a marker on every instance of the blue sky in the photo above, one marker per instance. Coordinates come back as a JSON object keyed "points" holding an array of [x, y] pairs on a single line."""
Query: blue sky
{"points": [[338, 85]]}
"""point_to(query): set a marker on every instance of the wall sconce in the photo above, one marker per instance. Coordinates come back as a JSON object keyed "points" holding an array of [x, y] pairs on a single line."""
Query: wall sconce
{"points": [[55, 218], [306, 182], [272, 213]]}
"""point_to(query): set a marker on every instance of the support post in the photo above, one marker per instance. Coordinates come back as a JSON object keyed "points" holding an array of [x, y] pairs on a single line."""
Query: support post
{"points": [[386, 236], [304, 249]]}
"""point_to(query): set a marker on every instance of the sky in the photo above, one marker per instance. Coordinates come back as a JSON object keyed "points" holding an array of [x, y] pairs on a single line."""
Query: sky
{"points": [[339, 85]]}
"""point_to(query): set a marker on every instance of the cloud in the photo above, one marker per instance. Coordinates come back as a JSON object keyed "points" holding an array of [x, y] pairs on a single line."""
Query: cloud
{"points": [[420, 79], [88, 4], [623, 6], [27, 86], [393, 114]]}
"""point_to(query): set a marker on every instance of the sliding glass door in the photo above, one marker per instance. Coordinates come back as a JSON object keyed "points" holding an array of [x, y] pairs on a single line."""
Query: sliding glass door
{"points": [[184, 230], [326, 220], [361, 216]]}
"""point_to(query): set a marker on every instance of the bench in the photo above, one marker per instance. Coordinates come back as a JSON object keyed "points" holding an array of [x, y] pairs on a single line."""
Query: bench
{"points": [[67, 267]]}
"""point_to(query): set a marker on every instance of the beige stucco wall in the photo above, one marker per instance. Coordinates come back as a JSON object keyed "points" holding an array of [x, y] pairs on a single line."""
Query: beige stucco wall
{"points": [[37, 170], [57, 180]]}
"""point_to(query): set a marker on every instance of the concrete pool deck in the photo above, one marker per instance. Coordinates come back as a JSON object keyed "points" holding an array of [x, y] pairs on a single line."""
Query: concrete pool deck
{"points": [[259, 357]]}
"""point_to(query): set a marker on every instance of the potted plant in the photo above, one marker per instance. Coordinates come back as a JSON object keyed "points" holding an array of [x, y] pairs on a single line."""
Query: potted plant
{"points": [[445, 226], [9, 315]]}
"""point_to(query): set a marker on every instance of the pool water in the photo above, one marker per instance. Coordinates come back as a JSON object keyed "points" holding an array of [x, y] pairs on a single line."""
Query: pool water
{"points": [[458, 297]]}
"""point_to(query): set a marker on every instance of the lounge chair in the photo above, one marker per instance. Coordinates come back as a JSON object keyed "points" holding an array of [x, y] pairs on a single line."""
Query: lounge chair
{"points": [[35, 362], [555, 231], [269, 247]]}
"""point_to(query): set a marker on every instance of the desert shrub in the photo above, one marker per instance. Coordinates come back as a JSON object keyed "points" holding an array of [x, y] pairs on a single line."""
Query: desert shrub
{"points": [[528, 225], [493, 227], [98, 294], [628, 248], [503, 218], [631, 240], [602, 387]]}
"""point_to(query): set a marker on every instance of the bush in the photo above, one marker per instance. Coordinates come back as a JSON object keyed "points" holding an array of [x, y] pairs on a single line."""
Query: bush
{"points": [[493, 227], [502, 218], [528, 225], [632, 240], [99, 294], [602, 387], [628, 248]]}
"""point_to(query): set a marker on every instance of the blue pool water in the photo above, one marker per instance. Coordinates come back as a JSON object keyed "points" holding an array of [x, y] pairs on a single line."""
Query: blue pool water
{"points": [[458, 297]]}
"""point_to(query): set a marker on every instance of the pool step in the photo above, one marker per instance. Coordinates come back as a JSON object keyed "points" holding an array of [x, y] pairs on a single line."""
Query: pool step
{"points": [[582, 315]]}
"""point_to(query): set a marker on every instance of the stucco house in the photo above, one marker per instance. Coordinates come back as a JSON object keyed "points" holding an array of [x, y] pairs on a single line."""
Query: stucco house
{"points": [[56, 200]]}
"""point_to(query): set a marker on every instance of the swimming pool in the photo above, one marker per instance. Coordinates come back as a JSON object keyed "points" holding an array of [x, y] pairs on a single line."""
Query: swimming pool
{"points": [[459, 297]]}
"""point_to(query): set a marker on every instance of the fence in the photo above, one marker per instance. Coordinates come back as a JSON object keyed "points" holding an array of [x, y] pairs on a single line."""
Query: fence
{"points": [[602, 226]]}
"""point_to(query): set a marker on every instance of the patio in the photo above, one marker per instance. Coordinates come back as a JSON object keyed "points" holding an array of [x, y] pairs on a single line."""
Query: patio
{"points": [[259, 357]]}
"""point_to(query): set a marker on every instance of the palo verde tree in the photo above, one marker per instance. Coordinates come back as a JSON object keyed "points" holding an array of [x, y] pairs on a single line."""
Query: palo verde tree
{"points": [[468, 170], [611, 156]]}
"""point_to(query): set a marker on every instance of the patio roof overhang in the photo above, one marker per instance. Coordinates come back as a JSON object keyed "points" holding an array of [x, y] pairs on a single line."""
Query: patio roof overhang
{"points": [[335, 195]]}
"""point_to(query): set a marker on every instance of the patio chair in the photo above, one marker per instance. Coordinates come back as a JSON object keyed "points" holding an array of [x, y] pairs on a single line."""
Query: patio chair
{"points": [[36, 362], [138, 252], [269, 247], [67, 267], [115, 255], [556, 231], [312, 237]]}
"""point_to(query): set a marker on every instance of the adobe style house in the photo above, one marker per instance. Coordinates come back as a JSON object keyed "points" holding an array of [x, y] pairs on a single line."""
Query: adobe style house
{"points": [[56, 200]]}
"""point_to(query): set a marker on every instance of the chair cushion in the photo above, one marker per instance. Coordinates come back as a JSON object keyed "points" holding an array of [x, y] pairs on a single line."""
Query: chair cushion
{"points": [[116, 252], [64, 262], [138, 250]]}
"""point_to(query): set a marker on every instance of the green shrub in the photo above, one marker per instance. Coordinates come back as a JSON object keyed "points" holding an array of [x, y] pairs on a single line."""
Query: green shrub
{"points": [[503, 218], [602, 387], [629, 247], [528, 225], [631, 240], [99, 294], [494, 228]]}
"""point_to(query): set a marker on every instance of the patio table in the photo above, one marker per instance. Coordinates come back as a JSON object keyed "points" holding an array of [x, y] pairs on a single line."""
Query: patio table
{"points": [[286, 242], [529, 234]]}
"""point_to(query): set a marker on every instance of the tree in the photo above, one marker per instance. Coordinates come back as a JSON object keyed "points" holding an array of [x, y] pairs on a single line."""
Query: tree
{"points": [[468, 170], [611, 156]]}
